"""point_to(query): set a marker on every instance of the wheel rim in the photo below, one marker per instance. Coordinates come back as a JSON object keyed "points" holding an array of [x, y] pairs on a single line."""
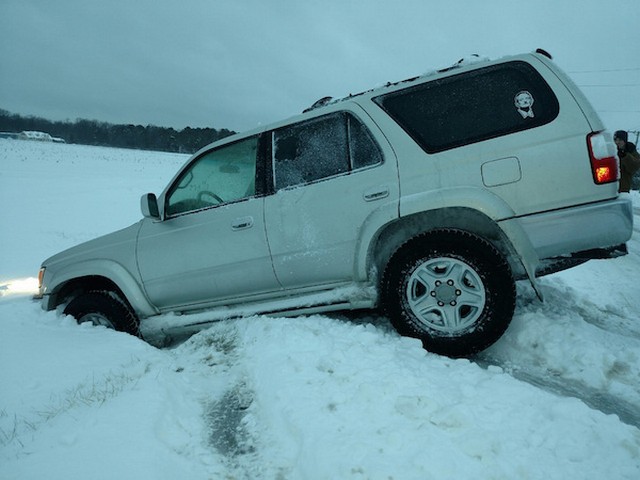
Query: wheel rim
{"points": [[96, 319], [446, 295]]}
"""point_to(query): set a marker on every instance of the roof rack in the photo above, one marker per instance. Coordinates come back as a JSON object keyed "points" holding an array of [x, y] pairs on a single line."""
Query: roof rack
{"points": [[463, 62], [319, 103], [544, 52]]}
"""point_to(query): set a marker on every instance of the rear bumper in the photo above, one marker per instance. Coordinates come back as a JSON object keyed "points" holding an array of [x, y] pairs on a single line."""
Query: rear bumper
{"points": [[594, 227], [557, 264]]}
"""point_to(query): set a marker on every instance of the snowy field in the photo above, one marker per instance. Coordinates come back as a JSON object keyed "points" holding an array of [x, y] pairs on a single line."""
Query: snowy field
{"points": [[321, 397]]}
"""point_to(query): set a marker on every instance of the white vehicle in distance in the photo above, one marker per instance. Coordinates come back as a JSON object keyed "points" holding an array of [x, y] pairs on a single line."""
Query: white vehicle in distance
{"points": [[428, 198]]}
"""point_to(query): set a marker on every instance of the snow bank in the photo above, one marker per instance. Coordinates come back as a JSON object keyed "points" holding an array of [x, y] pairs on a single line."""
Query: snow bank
{"points": [[321, 397], [57, 195]]}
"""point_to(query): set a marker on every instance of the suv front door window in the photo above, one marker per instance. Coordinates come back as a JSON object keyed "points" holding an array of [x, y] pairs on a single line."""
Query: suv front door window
{"points": [[220, 176], [212, 244]]}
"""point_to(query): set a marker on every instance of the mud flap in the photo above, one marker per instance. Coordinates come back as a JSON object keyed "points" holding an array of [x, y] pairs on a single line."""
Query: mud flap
{"points": [[531, 269], [524, 251]]}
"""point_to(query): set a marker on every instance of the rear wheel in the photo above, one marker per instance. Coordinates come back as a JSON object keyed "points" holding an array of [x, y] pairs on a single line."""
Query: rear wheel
{"points": [[103, 308], [452, 290]]}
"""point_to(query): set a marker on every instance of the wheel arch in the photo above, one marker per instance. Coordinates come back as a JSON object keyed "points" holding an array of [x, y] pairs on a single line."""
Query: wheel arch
{"points": [[393, 235], [450, 288], [91, 276], [76, 286]]}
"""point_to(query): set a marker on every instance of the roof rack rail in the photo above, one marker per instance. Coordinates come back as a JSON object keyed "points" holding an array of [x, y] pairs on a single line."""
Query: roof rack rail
{"points": [[544, 52], [319, 103], [463, 62]]}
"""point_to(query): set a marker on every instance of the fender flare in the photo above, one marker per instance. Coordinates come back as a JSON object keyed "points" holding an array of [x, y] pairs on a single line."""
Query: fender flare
{"points": [[436, 206], [109, 270]]}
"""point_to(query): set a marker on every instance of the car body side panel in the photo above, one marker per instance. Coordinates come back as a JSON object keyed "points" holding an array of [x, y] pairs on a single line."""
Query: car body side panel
{"points": [[111, 256], [474, 198], [206, 256], [592, 117], [313, 230], [553, 159], [124, 279], [316, 230], [517, 175]]}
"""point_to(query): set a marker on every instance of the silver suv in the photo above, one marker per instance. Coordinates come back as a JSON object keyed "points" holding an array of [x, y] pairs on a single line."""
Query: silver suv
{"points": [[428, 198]]}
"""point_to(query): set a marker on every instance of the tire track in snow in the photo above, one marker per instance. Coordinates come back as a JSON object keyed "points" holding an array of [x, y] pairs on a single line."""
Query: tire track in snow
{"points": [[552, 382], [227, 416], [593, 369], [601, 318], [557, 384]]}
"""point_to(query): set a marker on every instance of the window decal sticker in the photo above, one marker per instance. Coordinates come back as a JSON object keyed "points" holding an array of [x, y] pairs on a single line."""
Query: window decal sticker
{"points": [[478, 105], [524, 104]]}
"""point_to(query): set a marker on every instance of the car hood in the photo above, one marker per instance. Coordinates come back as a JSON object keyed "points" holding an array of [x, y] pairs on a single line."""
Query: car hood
{"points": [[115, 245]]}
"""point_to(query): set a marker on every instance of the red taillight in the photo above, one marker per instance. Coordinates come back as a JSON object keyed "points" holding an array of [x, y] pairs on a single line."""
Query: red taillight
{"points": [[604, 163]]}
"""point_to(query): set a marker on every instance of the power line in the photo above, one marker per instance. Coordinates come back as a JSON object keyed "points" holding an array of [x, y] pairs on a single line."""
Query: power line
{"points": [[607, 71], [610, 85]]}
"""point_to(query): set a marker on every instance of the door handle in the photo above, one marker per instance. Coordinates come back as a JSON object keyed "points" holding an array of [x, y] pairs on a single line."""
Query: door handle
{"points": [[242, 223], [376, 194]]}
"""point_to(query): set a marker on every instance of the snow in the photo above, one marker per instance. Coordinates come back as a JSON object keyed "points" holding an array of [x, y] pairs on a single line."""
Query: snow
{"points": [[318, 397]]}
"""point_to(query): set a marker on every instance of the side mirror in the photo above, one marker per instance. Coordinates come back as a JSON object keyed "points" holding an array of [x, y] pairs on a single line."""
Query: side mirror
{"points": [[149, 206]]}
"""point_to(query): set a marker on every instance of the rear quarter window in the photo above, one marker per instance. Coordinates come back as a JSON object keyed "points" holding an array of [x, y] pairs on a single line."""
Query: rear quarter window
{"points": [[473, 106]]}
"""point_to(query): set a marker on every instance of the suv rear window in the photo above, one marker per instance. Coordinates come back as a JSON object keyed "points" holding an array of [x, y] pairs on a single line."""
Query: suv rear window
{"points": [[472, 107]]}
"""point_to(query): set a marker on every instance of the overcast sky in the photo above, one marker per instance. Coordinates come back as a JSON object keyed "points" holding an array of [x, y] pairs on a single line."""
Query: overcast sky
{"points": [[239, 64]]}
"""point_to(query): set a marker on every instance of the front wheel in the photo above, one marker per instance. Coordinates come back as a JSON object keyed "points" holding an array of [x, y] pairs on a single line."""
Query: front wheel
{"points": [[103, 308], [452, 290]]}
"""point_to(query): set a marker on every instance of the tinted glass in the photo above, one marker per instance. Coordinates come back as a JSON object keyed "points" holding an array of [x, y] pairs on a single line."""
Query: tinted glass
{"points": [[321, 148], [310, 151], [220, 176], [364, 150], [472, 107]]}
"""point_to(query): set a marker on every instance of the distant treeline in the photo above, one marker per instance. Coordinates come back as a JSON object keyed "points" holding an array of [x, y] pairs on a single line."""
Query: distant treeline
{"points": [[93, 132]]}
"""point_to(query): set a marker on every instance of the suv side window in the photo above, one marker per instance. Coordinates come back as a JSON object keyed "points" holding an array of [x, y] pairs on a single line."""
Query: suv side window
{"points": [[224, 175], [323, 147], [364, 151], [472, 107]]}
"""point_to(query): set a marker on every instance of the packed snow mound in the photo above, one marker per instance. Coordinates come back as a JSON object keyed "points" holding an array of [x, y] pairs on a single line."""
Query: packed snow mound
{"points": [[319, 397]]}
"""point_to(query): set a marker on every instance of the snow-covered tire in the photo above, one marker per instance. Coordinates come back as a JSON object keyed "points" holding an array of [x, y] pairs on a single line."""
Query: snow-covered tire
{"points": [[103, 308], [451, 289]]}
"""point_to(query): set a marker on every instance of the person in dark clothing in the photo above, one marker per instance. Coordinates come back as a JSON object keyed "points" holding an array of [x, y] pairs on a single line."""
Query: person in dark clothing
{"points": [[629, 159]]}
